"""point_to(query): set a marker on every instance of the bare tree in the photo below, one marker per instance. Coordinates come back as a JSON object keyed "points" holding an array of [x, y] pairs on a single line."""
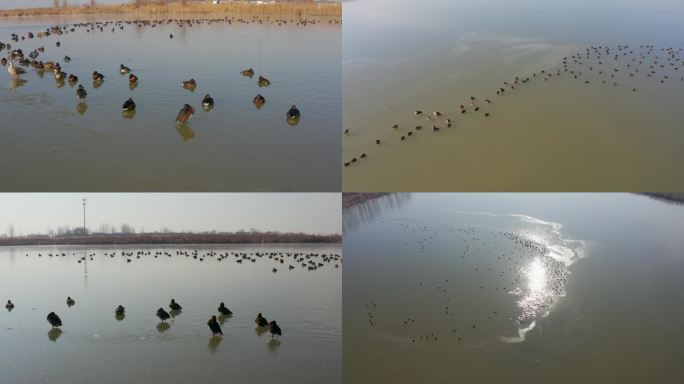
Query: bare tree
{"points": [[55, 3], [93, 3], [65, 3], [10, 230], [127, 229]]}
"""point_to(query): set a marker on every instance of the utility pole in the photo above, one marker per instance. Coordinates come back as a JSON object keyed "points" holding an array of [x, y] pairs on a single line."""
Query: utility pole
{"points": [[85, 231]]}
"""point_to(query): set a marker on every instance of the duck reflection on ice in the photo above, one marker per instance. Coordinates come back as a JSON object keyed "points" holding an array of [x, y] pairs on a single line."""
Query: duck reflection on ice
{"points": [[81, 108], [54, 334], [214, 342], [16, 83], [185, 131], [163, 327]]}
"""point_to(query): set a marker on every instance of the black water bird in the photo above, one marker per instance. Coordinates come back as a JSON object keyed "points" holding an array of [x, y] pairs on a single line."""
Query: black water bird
{"points": [[175, 306], [81, 94], [275, 329], [54, 320], [129, 105], [162, 314], [9, 305], [70, 301], [208, 102], [261, 321], [120, 310], [214, 326], [223, 310], [293, 113]]}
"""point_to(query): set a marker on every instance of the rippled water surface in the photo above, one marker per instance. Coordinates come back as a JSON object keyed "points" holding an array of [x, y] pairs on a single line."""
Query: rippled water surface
{"points": [[513, 288], [559, 134], [55, 143], [94, 346]]}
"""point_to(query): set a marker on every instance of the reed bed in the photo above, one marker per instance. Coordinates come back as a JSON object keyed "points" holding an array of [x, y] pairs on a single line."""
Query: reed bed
{"points": [[305, 10]]}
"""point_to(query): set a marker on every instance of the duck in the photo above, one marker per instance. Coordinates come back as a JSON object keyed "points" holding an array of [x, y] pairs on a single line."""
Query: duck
{"points": [[120, 310], [275, 329], [72, 79], [189, 84], [163, 315], [259, 100], [185, 114], [214, 326], [248, 72], [223, 310], [175, 306], [129, 105], [132, 79], [81, 94], [70, 301], [67, 59], [208, 102], [15, 71], [261, 321], [263, 82], [124, 69], [293, 113], [54, 320], [97, 76], [9, 305]]}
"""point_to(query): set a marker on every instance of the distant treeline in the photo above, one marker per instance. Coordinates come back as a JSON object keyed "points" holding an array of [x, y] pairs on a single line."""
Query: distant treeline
{"points": [[174, 238], [672, 197], [349, 199], [300, 9]]}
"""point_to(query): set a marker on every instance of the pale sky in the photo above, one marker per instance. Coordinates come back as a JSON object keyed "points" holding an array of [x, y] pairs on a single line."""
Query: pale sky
{"points": [[48, 3], [319, 213]]}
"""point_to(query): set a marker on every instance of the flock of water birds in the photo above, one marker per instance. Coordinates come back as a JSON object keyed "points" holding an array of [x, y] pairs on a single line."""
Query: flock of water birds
{"points": [[163, 315], [310, 261], [616, 66], [498, 262], [16, 61]]}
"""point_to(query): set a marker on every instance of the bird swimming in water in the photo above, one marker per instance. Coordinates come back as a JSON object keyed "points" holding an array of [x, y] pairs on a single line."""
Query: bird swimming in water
{"points": [[132, 79], [9, 305], [275, 329], [189, 84], [223, 310], [214, 326], [120, 310], [175, 306], [261, 321], [207, 102], [81, 94], [70, 301], [248, 73], [162, 314], [124, 69], [263, 82], [67, 59], [54, 320], [293, 113], [129, 105], [259, 100], [72, 79], [185, 114], [97, 76]]}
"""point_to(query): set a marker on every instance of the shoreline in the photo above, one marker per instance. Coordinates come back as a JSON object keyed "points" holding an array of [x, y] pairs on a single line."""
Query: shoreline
{"points": [[301, 10], [246, 238]]}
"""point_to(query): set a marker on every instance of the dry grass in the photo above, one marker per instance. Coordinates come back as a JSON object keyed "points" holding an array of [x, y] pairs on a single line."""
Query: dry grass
{"points": [[304, 10]]}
